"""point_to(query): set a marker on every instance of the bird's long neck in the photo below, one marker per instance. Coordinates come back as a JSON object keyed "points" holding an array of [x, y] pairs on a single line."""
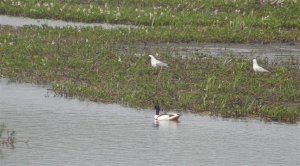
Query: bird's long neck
{"points": [[157, 108], [255, 63], [153, 60], [157, 112], [152, 57]]}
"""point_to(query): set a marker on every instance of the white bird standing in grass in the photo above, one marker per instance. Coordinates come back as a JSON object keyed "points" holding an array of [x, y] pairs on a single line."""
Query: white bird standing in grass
{"points": [[157, 63], [257, 68]]}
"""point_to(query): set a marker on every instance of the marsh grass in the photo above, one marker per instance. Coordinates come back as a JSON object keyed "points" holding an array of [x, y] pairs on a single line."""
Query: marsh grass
{"points": [[89, 63], [203, 21]]}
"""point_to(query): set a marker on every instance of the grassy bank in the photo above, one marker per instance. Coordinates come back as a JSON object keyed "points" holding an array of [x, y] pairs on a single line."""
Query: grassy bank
{"points": [[90, 63], [202, 21]]}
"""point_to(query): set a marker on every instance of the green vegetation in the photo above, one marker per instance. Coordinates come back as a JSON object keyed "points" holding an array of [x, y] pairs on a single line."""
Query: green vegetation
{"points": [[100, 65], [201, 21], [10, 139], [91, 63]]}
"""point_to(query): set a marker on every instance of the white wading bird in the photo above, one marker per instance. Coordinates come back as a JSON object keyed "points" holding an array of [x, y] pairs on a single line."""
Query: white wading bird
{"points": [[157, 63], [257, 68], [170, 116]]}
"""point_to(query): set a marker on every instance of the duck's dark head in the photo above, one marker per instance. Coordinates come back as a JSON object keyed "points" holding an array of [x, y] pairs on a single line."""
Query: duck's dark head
{"points": [[157, 108]]}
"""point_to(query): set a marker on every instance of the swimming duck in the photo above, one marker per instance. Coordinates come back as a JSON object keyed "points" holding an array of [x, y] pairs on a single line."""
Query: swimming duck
{"points": [[170, 116], [257, 68]]}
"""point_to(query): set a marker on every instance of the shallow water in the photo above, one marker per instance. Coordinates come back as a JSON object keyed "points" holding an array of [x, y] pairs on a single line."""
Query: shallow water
{"points": [[72, 132], [22, 21], [273, 53]]}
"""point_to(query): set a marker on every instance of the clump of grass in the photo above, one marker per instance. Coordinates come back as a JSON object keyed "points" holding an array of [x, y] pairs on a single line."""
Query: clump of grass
{"points": [[280, 113], [85, 63]]}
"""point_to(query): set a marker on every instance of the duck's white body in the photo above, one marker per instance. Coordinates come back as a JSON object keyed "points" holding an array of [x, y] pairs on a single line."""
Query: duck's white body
{"points": [[157, 63], [257, 68], [169, 116]]}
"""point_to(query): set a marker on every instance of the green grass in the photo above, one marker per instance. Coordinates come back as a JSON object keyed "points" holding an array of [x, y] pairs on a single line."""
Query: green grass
{"points": [[201, 21], [85, 63]]}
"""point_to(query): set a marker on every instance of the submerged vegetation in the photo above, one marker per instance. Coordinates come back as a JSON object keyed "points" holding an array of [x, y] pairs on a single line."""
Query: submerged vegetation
{"points": [[7, 139], [202, 21], [91, 63]]}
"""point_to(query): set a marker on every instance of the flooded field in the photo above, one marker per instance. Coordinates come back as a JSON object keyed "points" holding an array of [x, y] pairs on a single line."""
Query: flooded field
{"points": [[71, 132], [23, 21], [273, 53]]}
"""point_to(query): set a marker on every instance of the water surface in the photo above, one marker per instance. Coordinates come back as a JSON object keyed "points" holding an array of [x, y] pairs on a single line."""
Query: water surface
{"points": [[23, 21], [72, 132], [273, 53]]}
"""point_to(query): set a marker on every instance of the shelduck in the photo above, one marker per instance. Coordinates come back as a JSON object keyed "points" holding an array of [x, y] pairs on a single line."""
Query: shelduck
{"points": [[169, 116]]}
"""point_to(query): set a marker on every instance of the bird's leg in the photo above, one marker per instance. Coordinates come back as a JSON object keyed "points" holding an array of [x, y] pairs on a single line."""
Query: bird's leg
{"points": [[158, 74]]}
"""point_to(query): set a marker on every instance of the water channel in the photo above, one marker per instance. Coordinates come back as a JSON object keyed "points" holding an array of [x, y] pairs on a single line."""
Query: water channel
{"points": [[71, 132], [23, 21]]}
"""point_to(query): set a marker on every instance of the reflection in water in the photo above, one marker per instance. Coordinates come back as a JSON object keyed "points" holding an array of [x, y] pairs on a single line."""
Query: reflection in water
{"points": [[72, 132], [166, 124]]}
